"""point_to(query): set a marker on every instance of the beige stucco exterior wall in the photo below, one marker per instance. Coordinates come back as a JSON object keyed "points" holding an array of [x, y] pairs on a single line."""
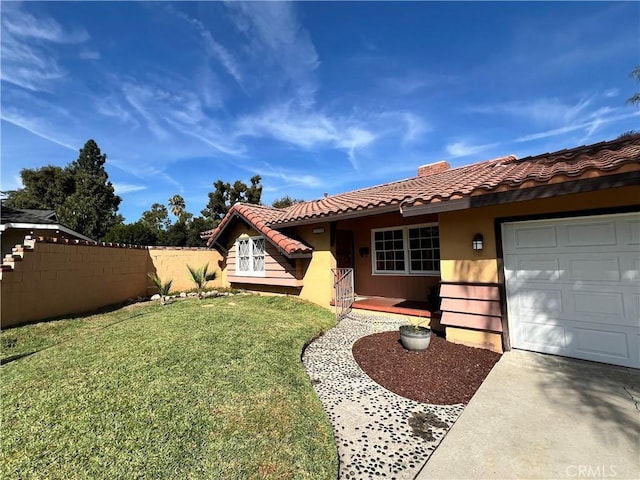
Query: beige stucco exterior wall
{"points": [[460, 263], [171, 263], [56, 279], [318, 287]]}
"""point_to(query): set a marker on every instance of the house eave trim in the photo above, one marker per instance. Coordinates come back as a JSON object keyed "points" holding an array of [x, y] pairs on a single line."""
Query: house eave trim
{"points": [[524, 194], [44, 226]]}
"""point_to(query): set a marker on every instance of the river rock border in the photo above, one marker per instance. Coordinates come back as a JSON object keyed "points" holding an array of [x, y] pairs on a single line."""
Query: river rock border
{"points": [[379, 434]]}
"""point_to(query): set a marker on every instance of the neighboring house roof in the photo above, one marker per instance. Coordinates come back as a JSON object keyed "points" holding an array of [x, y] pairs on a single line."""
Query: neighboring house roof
{"points": [[502, 174], [260, 218], [34, 219]]}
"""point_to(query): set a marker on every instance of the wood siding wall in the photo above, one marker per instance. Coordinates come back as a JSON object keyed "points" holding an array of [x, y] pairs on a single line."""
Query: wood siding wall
{"points": [[278, 269], [473, 306]]}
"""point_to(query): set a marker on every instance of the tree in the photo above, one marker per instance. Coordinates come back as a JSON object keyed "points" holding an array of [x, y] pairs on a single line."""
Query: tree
{"points": [[137, 233], [194, 228], [635, 98], [45, 188], [175, 235], [285, 202], [81, 193], [225, 196], [177, 206], [157, 217]]}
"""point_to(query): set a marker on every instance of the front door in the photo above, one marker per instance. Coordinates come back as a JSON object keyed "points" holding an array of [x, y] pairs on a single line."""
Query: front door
{"points": [[344, 249]]}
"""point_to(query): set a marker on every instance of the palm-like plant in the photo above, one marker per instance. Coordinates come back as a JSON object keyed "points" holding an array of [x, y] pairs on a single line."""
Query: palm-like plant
{"points": [[201, 276], [164, 288]]}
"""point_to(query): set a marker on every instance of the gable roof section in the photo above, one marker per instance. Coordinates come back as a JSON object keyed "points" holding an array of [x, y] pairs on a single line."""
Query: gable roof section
{"points": [[260, 218], [498, 175], [34, 219], [23, 215]]}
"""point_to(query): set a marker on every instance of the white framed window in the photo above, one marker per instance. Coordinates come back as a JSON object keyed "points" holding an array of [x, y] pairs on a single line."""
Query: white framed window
{"points": [[410, 250], [250, 253]]}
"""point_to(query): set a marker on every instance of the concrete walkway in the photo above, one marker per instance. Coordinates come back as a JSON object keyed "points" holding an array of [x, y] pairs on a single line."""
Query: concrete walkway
{"points": [[378, 434], [544, 417]]}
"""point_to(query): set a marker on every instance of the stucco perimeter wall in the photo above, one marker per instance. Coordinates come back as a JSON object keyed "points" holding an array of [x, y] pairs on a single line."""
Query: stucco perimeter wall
{"points": [[47, 279], [170, 263]]}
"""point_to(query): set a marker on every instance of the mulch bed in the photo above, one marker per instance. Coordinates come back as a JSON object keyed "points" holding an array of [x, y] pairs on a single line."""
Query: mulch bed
{"points": [[443, 374]]}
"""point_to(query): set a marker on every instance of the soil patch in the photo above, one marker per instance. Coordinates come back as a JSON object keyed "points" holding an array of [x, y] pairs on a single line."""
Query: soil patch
{"points": [[444, 374]]}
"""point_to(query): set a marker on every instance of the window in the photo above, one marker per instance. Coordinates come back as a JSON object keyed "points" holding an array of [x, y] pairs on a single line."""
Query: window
{"points": [[250, 256], [407, 250]]}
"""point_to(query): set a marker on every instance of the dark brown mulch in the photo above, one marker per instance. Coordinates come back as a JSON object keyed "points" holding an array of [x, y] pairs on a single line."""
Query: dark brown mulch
{"points": [[443, 374]]}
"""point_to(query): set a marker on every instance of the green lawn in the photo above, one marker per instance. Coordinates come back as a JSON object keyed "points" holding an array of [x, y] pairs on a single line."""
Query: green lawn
{"points": [[194, 389]]}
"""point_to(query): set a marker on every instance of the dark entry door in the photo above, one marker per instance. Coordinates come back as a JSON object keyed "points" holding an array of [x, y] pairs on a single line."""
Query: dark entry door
{"points": [[344, 249]]}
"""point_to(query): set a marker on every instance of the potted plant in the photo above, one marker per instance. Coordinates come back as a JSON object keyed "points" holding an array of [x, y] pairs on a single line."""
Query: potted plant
{"points": [[415, 336]]}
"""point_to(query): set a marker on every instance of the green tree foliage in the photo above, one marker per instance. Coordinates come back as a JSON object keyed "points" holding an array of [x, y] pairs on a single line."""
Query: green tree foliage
{"points": [[157, 218], [175, 235], [635, 98], [194, 228], [226, 195], [137, 233], [285, 202], [177, 206], [46, 188], [81, 193]]}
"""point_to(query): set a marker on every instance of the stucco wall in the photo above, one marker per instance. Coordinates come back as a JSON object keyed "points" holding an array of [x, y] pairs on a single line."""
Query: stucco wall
{"points": [[411, 287], [54, 279], [171, 263], [460, 263], [318, 281]]}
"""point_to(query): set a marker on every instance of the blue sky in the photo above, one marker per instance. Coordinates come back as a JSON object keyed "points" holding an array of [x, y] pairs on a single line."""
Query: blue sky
{"points": [[314, 96]]}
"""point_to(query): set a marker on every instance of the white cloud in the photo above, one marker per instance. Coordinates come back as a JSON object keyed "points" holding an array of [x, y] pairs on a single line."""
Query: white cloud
{"points": [[596, 120], [276, 37], [27, 60], [122, 188], [87, 54], [463, 149], [32, 125], [544, 111], [214, 48], [307, 130], [612, 92]]}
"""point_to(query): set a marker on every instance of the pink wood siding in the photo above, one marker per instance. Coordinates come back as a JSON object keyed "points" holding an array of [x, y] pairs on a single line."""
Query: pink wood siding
{"points": [[278, 269], [471, 306]]}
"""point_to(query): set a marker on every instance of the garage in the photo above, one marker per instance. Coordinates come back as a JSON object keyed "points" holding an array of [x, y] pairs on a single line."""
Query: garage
{"points": [[573, 286]]}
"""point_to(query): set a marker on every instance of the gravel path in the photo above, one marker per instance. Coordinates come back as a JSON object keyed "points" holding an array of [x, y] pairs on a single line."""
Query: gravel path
{"points": [[379, 434]]}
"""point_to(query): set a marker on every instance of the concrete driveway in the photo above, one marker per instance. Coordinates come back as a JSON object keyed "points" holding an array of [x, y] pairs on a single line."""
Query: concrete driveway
{"points": [[544, 417]]}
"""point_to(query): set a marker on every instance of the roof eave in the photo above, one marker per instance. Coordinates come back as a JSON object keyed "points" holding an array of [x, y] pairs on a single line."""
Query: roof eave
{"points": [[44, 226], [487, 199]]}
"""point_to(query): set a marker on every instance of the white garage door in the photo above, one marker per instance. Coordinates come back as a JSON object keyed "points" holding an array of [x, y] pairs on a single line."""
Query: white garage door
{"points": [[573, 287]]}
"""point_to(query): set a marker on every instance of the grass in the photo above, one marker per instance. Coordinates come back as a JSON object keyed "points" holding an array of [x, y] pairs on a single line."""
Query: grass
{"points": [[194, 389]]}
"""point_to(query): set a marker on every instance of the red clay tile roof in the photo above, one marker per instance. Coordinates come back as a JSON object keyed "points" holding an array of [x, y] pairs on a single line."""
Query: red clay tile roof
{"points": [[260, 217], [496, 175], [505, 173]]}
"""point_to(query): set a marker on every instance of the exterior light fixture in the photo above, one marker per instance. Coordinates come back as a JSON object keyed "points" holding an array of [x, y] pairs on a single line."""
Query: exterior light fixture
{"points": [[477, 241], [364, 252], [318, 230]]}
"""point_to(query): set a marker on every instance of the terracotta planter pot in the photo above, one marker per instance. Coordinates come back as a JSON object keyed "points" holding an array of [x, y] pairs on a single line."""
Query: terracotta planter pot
{"points": [[415, 339]]}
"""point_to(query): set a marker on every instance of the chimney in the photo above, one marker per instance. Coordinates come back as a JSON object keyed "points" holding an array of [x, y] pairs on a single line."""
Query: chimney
{"points": [[433, 168], [326, 194]]}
